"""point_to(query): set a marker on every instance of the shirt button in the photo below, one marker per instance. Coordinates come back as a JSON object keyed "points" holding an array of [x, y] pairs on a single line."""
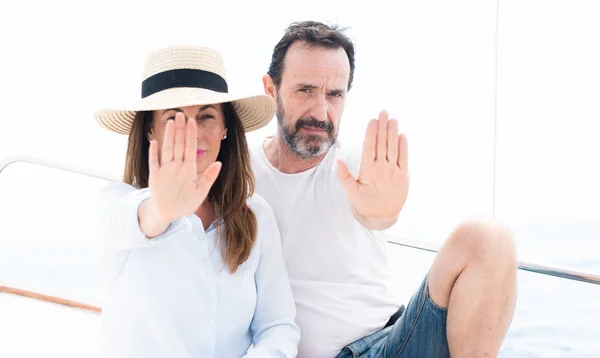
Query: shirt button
{"points": [[212, 321], [208, 276]]}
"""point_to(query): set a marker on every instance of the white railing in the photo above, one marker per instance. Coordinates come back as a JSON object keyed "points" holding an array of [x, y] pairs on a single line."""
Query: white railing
{"points": [[396, 240]]}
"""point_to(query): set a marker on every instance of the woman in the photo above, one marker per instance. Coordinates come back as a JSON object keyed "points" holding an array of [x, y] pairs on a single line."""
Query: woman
{"points": [[193, 258]]}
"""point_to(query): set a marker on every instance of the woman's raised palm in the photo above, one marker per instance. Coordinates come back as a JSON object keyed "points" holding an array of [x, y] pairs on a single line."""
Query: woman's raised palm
{"points": [[175, 187]]}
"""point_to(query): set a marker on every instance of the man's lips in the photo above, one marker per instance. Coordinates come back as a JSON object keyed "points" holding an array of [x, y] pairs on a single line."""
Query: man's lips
{"points": [[314, 130]]}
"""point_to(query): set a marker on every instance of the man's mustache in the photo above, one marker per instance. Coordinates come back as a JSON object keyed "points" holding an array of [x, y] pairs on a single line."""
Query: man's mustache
{"points": [[313, 123]]}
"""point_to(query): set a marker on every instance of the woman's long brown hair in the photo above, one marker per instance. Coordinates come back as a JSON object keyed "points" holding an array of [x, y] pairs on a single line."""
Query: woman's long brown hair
{"points": [[228, 194]]}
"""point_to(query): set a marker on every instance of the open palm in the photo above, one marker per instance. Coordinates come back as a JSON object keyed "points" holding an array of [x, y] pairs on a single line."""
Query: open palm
{"points": [[381, 187], [173, 181]]}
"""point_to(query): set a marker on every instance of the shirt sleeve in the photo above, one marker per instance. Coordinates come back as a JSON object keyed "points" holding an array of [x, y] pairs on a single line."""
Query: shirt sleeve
{"points": [[117, 218], [274, 329]]}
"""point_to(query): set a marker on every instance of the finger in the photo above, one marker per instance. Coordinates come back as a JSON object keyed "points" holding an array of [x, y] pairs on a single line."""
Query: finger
{"points": [[166, 155], [207, 180], [179, 137], [392, 141], [191, 142], [403, 152], [382, 129], [346, 178], [153, 165], [368, 155]]}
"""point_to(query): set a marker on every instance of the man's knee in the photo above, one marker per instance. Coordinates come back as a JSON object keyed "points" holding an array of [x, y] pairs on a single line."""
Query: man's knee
{"points": [[485, 245], [485, 241]]}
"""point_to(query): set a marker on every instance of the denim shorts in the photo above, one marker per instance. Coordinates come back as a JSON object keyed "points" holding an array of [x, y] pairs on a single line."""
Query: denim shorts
{"points": [[419, 332]]}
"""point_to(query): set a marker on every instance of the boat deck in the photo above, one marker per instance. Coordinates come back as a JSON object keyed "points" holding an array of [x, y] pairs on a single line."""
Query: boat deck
{"points": [[33, 328]]}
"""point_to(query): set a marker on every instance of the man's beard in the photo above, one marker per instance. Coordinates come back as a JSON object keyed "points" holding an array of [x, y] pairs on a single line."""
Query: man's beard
{"points": [[305, 146]]}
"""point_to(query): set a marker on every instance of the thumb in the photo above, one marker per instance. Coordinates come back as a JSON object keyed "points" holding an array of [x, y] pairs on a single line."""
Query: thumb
{"points": [[208, 179], [345, 175]]}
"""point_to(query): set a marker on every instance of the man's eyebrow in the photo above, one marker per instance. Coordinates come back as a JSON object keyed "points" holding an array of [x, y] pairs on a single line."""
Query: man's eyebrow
{"points": [[338, 91], [306, 85], [309, 86]]}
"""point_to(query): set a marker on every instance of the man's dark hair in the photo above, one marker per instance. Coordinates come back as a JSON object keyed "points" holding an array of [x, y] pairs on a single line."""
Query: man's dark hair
{"points": [[314, 33]]}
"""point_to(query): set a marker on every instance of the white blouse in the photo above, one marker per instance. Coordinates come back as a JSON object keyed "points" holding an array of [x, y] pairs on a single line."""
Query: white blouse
{"points": [[173, 296]]}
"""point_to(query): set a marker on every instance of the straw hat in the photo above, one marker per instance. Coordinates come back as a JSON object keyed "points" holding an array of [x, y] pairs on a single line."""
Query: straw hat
{"points": [[180, 76]]}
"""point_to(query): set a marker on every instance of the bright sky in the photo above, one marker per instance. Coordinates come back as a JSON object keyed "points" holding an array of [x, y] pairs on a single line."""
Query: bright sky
{"points": [[431, 63]]}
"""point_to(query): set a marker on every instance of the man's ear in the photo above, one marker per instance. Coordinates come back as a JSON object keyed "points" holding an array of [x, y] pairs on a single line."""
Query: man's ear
{"points": [[269, 86]]}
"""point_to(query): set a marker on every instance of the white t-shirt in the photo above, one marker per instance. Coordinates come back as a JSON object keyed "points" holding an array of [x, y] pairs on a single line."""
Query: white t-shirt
{"points": [[338, 269]]}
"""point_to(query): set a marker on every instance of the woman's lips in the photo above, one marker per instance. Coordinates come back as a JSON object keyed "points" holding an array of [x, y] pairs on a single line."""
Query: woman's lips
{"points": [[200, 153]]}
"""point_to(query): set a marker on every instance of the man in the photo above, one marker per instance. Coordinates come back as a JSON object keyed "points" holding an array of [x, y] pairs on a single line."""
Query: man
{"points": [[332, 202]]}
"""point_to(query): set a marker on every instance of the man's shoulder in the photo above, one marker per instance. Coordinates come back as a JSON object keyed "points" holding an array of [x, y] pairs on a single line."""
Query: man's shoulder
{"points": [[255, 152], [347, 148], [255, 144]]}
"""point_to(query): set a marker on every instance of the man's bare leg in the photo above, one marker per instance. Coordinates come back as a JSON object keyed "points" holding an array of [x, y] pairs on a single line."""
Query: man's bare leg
{"points": [[474, 277]]}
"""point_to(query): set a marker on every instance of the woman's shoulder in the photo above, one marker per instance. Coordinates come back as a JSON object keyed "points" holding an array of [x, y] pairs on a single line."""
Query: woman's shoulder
{"points": [[260, 207], [267, 228], [265, 217], [117, 190], [116, 187]]}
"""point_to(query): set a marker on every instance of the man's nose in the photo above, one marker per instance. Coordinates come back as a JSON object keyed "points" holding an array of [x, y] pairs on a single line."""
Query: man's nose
{"points": [[320, 107]]}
